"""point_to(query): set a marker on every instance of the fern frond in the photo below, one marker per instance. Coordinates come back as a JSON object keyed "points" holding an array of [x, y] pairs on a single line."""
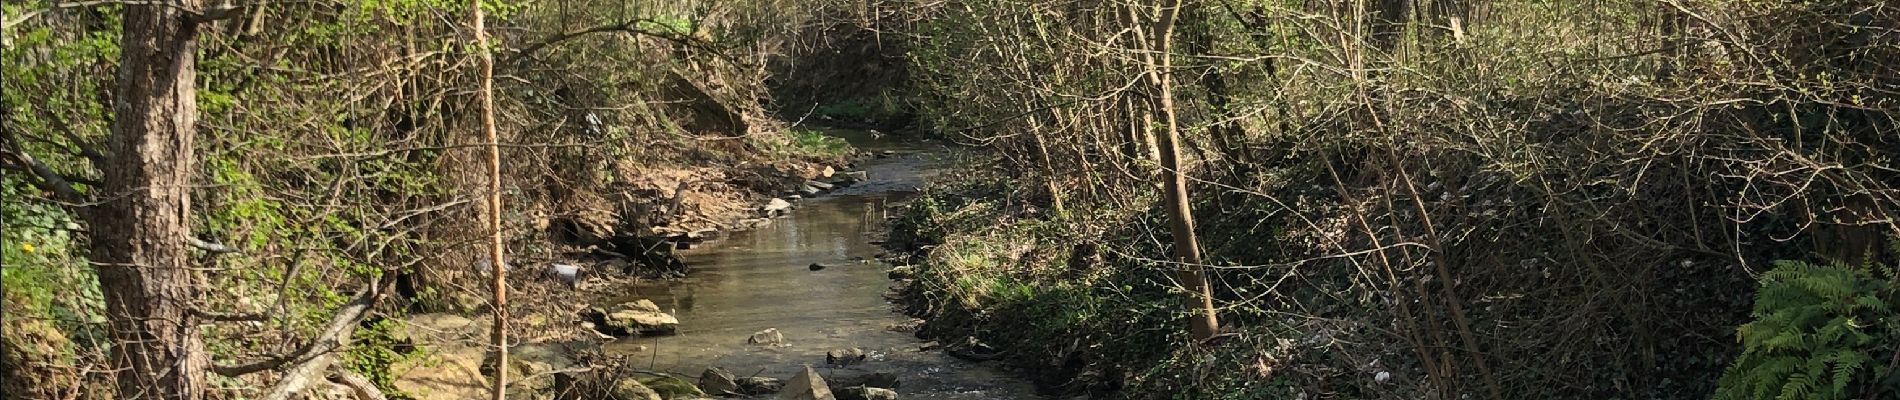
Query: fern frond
{"points": [[1808, 340]]}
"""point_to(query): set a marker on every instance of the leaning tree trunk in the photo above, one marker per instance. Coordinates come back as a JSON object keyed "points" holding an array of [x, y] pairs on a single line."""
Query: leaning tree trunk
{"points": [[1187, 248], [138, 229]]}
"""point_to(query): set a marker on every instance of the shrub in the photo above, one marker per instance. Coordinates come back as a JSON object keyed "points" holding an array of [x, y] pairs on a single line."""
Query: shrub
{"points": [[1818, 332]]}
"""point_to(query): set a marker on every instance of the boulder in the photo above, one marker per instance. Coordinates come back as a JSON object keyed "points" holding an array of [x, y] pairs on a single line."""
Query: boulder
{"points": [[902, 272], [827, 172], [717, 381], [807, 385], [853, 177], [451, 368], [758, 385], [640, 317], [654, 253], [880, 394], [533, 366], [632, 389], [865, 393], [809, 190], [819, 185], [844, 357], [768, 337], [671, 387]]}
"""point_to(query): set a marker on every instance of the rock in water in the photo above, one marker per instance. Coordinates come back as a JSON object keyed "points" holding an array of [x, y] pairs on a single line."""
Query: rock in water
{"points": [[642, 317], [758, 385], [631, 389], [844, 357], [671, 387], [879, 394], [716, 381], [853, 177], [819, 185], [902, 272], [776, 207], [807, 385], [866, 393], [768, 337], [816, 266]]}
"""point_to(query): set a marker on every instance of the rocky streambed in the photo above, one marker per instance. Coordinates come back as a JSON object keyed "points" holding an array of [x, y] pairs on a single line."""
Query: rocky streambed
{"points": [[794, 306]]}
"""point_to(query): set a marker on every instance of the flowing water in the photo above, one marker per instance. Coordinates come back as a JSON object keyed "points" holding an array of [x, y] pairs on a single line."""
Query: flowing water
{"points": [[759, 279]]}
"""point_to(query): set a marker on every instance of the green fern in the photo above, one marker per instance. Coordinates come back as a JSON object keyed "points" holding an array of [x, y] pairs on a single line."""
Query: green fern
{"points": [[1814, 330]]}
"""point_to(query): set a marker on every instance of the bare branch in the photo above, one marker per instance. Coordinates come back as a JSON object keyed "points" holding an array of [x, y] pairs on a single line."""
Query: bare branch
{"points": [[49, 180], [213, 247], [632, 26], [230, 317], [335, 336]]}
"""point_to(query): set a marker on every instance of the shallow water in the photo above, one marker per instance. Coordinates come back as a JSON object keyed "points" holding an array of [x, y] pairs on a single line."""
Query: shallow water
{"points": [[759, 279]]}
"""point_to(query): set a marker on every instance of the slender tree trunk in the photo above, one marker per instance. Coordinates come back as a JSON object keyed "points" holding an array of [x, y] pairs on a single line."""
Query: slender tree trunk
{"points": [[1187, 249], [498, 265], [138, 230], [1048, 165]]}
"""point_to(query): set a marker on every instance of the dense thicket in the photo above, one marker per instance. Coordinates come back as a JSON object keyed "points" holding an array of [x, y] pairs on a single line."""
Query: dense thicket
{"points": [[339, 147], [1406, 199]]}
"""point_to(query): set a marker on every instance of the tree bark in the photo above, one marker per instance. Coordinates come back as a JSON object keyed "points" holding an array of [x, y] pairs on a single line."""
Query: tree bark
{"points": [[498, 265], [1187, 248], [139, 228]]}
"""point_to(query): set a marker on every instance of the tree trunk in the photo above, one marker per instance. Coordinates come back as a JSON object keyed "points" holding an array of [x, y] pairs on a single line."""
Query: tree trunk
{"points": [[139, 228], [1187, 249], [498, 334]]}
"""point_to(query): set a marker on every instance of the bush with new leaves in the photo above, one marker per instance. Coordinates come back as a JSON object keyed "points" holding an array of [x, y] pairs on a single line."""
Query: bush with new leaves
{"points": [[1819, 332]]}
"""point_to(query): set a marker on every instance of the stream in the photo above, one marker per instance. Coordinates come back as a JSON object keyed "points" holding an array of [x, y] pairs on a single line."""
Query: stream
{"points": [[753, 280]]}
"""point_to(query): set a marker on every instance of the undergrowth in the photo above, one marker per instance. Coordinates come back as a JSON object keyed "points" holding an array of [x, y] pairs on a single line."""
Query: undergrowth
{"points": [[379, 345], [1065, 296], [1820, 332]]}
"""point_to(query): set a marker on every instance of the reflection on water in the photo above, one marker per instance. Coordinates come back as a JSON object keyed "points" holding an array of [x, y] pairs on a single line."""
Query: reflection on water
{"points": [[760, 279]]}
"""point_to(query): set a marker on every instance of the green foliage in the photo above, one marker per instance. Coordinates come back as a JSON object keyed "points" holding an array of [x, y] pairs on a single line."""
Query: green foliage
{"points": [[811, 142], [668, 23], [1816, 329], [378, 346], [42, 263]]}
